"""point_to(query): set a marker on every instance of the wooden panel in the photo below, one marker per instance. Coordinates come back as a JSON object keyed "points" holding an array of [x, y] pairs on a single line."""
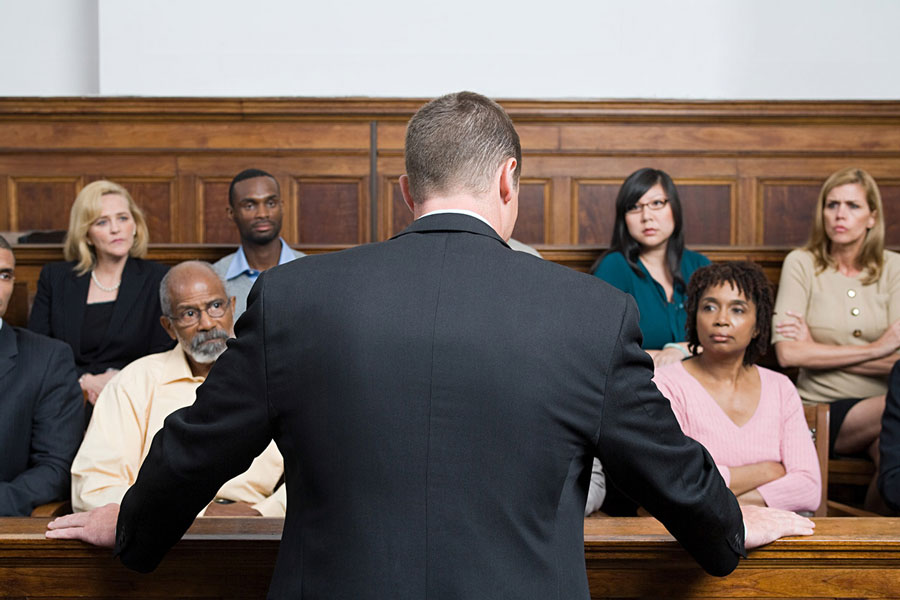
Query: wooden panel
{"points": [[890, 198], [31, 257], [181, 153], [215, 226], [744, 138], [595, 203], [833, 563], [534, 201], [706, 213], [5, 204], [331, 211], [787, 211], [167, 135], [42, 203], [846, 558]]}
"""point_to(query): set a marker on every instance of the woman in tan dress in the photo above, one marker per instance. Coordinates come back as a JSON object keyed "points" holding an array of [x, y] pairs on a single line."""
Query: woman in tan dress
{"points": [[837, 315]]}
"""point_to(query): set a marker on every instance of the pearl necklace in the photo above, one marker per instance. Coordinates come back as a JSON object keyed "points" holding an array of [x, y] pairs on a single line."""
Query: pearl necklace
{"points": [[101, 286]]}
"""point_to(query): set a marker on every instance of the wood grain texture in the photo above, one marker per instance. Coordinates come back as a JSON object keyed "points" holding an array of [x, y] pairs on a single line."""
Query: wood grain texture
{"points": [[746, 168], [332, 211], [217, 228], [788, 209], [42, 203], [625, 558], [890, 198], [706, 213], [596, 211], [534, 201]]}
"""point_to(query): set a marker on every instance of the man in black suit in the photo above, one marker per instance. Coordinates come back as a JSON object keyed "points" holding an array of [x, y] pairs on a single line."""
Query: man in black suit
{"points": [[41, 410], [438, 400]]}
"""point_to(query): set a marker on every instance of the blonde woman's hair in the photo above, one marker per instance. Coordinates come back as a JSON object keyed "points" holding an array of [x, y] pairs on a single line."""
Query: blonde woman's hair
{"points": [[871, 255], [85, 211]]}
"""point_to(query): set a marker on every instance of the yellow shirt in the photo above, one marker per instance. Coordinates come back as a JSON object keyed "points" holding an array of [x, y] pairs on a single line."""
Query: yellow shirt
{"points": [[129, 412], [839, 310]]}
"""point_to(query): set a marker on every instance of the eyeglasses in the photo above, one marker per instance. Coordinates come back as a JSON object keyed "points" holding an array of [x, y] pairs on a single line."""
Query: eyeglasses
{"points": [[652, 205], [191, 316]]}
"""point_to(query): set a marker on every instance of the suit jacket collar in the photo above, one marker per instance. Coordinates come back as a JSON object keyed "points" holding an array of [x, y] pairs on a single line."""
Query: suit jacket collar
{"points": [[8, 349], [75, 293], [451, 222]]}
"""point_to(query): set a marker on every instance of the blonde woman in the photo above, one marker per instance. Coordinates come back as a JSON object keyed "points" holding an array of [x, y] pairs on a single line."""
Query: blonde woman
{"points": [[104, 302], [837, 315]]}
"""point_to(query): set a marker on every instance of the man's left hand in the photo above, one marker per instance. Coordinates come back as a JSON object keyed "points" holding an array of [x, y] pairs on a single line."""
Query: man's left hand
{"points": [[97, 527]]}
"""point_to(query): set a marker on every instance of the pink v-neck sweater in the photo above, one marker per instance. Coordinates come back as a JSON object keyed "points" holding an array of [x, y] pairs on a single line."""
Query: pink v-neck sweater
{"points": [[777, 432]]}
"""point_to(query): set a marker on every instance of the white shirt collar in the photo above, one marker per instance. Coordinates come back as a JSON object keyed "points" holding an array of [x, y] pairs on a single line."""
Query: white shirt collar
{"points": [[458, 211]]}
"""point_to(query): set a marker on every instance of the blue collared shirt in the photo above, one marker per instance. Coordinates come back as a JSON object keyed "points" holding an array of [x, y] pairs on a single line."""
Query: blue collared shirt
{"points": [[239, 277], [239, 265]]}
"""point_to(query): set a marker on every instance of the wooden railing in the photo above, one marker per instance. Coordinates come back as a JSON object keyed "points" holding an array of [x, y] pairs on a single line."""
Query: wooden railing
{"points": [[31, 257], [625, 558]]}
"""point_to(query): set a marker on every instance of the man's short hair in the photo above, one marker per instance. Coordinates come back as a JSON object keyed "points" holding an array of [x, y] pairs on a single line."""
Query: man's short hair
{"points": [[248, 174], [456, 143], [4, 245], [165, 294]]}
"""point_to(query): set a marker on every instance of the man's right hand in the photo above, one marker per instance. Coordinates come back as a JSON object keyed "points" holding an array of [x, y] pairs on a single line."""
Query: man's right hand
{"points": [[765, 525]]}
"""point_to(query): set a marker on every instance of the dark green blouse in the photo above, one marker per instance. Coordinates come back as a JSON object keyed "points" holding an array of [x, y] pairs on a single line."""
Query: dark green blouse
{"points": [[661, 321]]}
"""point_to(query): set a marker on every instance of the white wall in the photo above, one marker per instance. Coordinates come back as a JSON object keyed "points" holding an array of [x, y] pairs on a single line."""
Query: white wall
{"points": [[48, 48], [713, 49]]}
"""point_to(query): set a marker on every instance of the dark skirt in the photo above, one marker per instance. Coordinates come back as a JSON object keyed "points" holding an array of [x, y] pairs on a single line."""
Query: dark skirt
{"points": [[837, 412]]}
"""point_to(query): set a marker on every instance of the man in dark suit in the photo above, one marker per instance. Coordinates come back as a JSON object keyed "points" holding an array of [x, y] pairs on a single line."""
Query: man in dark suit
{"points": [[41, 410], [438, 400], [889, 444]]}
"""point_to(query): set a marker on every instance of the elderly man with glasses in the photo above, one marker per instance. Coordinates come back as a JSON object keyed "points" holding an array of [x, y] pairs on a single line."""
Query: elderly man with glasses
{"points": [[132, 407]]}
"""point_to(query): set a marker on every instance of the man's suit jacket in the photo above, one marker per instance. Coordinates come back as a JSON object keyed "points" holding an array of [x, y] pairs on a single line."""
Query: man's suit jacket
{"points": [[41, 420], [889, 446], [133, 330], [438, 400]]}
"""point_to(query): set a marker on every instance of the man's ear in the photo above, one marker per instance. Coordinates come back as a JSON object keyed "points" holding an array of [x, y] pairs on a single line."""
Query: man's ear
{"points": [[407, 196], [509, 187], [166, 323], [229, 210]]}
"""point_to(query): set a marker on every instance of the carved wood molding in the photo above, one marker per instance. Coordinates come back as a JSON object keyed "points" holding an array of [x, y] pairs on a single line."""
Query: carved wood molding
{"points": [[75, 108]]}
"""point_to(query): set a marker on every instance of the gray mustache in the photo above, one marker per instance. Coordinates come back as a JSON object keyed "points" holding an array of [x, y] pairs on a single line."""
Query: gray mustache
{"points": [[207, 336]]}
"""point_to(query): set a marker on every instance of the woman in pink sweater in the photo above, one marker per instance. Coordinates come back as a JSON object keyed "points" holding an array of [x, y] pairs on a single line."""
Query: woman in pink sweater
{"points": [[750, 419]]}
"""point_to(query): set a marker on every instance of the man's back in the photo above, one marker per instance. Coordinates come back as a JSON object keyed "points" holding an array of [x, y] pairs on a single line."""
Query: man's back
{"points": [[438, 399]]}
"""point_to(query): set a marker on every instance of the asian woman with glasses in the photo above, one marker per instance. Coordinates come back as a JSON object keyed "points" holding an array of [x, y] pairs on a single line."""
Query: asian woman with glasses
{"points": [[648, 260]]}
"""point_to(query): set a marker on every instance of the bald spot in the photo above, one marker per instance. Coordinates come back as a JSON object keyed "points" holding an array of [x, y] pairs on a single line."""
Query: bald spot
{"points": [[191, 279]]}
